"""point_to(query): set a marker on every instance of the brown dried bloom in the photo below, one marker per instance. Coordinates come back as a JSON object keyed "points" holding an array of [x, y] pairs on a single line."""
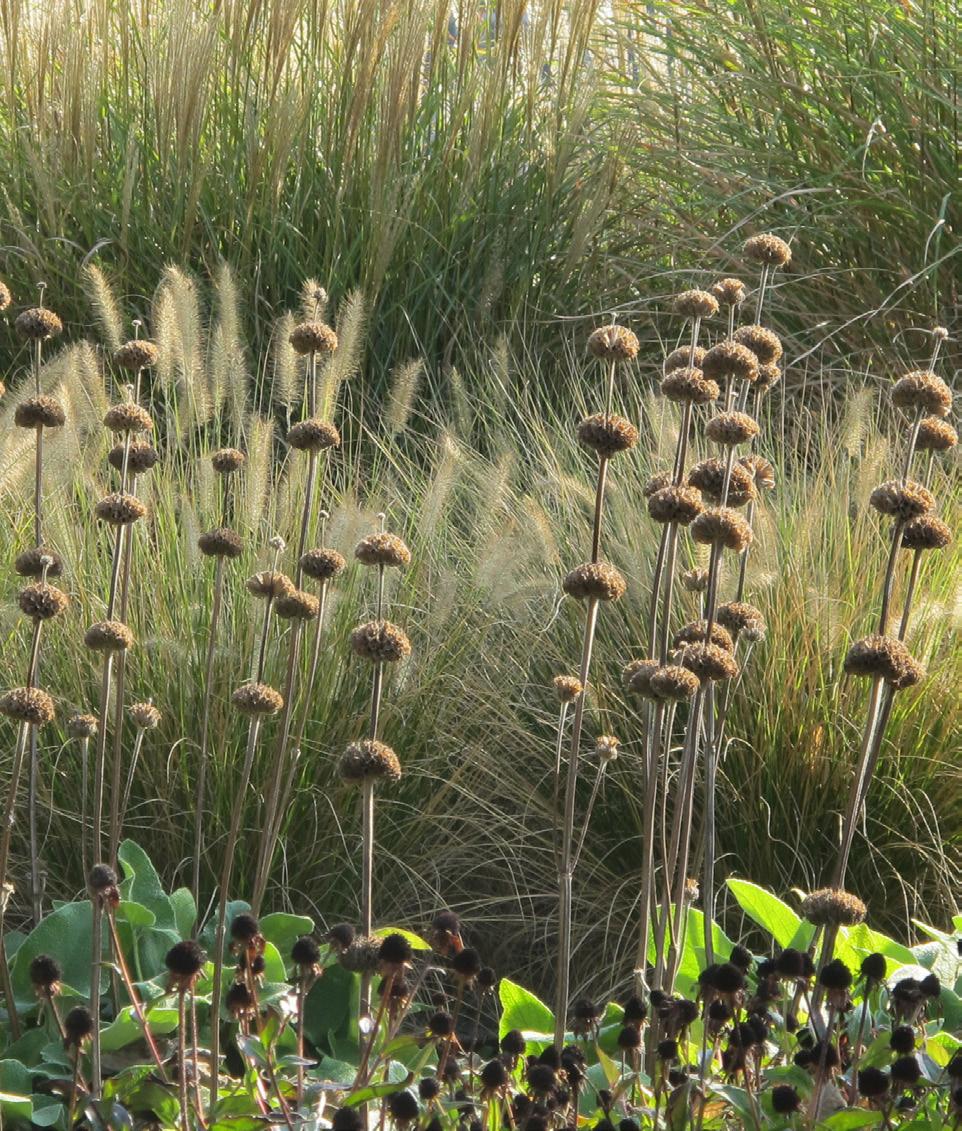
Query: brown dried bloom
{"points": [[760, 469], [140, 457], [696, 304], [655, 483], [731, 428], [607, 434], [30, 563], [42, 601], [926, 533], [226, 461], [567, 688], [936, 435], [297, 605], [683, 357], [708, 661], [885, 657], [922, 390], [5, 297], [595, 581], [39, 412], [380, 642], [27, 705], [120, 509], [832, 907], [137, 354], [636, 676], [128, 417], [764, 343], [313, 436], [382, 549], [220, 543], [109, 636], [694, 633], [728, 361], [768, 249], [322, 564], [82, 726], [674, 682], [613, 343], [709, 477], [738, 617], [257, 699], [902, 501], [675, 504], [313, 337], [369, 760], [145, 716], [269, 583], [37, 323], [689, 384], [729, 292], [606, 747], [724, 527], [768, 377], [695, 580]]}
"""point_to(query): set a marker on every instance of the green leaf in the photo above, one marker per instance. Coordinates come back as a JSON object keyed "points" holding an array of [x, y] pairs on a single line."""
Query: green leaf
{"points": [[282, 929], [331, 1008], [522, 1010], [47, 1111], [142, 884], [417, 943], [767, 910], [125, 1028], [135, 914], [65, 934], [863, 938], [846, 1120], [274, 969], [185, 911], [336, 1071], [16, 1084]]}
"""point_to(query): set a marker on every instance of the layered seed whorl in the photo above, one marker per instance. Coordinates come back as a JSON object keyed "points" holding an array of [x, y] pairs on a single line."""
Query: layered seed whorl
{"points": [[381, 642], [369, 760], [269, 583], [722, 526], [313, 436], [382, 549], [731, 428], [607, 434], [141, 457], [707, 661], [708, 476], [828, 907], [922, 390], [696, 304], [636, 676], [225, 461], [926, 533], [695, 632], [297, 605], [221, 542], [764, 343], [41, 601], [768, 249], [729, 361], [612, 343], [27, 705], [39, 412], [902, 501], [257, 699], [689, 384], [109, 636], [885, 657], [137, 354], [30, 563], [675, 504], [729, 292], [674, 682], [313, 337], [935, 435], [322, 564], [682, 358], [128, 417], [37, 323], [594, 581], [120, 509], [567, 688]]}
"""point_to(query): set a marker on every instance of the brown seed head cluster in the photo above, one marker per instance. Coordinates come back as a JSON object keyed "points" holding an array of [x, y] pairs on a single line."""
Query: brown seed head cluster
{"points": [[141, 457], [768, 377], [120, 509], [722, 526], [567, 688], [764, 343], [613, 343], [27, 705], [689, 385], [675, 504], [381, 642], [109, 636], [257, 699], [297, 605], [922, 391], [832, 907], [936, 435], [361, 955], [313, 436], [729, 292], [145, 716], [682, 357], [740, 617], [597, 581], [655, 483], [39, 412], [709, 477], [37, 324], [731, 428], [636, 676], [322, 564], [708, 661], [695, 633], [269, 583], [902, 501], [695, 580], [606, 747], [696, 304], [313, 337], [760, 469], [225, 461], [30, 563], [885, 657], [82, 726], [674, 682], [128, 417], [382, 549], [42, 601], [607, 434], [135, 355], [926, 533], [768, 249], [729, 361], [369, 760], [221, 542]]}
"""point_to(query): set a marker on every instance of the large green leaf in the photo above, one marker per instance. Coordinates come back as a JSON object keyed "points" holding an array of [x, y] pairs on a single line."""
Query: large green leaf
{"points": [[16, 1084], [767, 910], [330, 1012], [520, 1009], [850, 1119], [64, 934], [125, 1028], [281, 929], [185, 911], [142, 884]]}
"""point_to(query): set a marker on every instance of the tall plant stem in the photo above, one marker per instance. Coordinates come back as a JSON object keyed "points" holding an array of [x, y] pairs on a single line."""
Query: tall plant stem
{"points": [[33, 785], [859, 782], [652, 769], [116, 808], [135, 1001], [182, 1059], [6, 835], [96, 959], [708, 835], [367, 881]]}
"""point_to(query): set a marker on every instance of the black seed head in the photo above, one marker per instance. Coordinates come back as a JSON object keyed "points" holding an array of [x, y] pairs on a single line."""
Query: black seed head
{"points": [[395, 951], [185, 959], [872, 1083], [467, 963], [244, 927], [45, 972], [347, 1119], [403, 1106], [874, 967], [513, 1043], [785, 1099], [305, 952], [902, 1039], [78, 1025]]}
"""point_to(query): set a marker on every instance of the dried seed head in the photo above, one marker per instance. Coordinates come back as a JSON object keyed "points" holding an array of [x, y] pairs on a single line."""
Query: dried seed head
{"points": [[257, 699], [607, 434], [722, 526], [305, 952], [902, 501], [244, 928], [381, 642], [137, 354], [830, 907], [612, 343], [369, 760], [606, 747], [37, 323], [696, 630], [145, 716], [636, 677], [5, 297], [45, 974], [729, 361], [922, 390], [689, 384], [672, 681], [313, 436], [128, 417], [768, 377], [709, 477], [313, 337], [109, 636], [361, 956], [42, 601], [322, 564], [567, 688], [936, 435], [297, 605], [695, 580], [82, 726], [696, 304], [708, 661], [78, 1026], [30, 563], [141, 457], [39, 412], [220, 543], [594, 580], [731, 428], [382, 549], [101, 878], [739, 617], [760, 469], [675, 504], [768, 249], [239, 1000], [886, 657], [655, 483], [926, 533], [764, 343], [27, 705], [185, 960], [729, 292], [269, 583], [120, 509], [683, 357], [226, 461]]}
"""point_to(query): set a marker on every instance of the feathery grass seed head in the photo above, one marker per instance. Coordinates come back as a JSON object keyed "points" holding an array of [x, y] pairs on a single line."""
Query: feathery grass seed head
{"points": [[722, 526], [612, 343], [41, 601], [369, 760], [137, 354], [381, 642], [675, 504], [689, 384], [607, 434], [594, 580], [128, 416], [108, 636], [696, 304], [768, 249], [37, 324], [27, 705], [39, 412], [220, 543], [120, 509], [902, 501], [257, 699], [313, 337]]}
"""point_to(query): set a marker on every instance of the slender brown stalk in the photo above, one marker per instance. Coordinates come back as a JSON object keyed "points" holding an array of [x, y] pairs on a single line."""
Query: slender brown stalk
{"points": [[96, 960], [182, 1059], [652, 767], [131, 989]]}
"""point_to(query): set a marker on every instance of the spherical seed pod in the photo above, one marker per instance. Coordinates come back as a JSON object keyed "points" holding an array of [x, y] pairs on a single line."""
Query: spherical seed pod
{"points": [[926, 533], [768, 377], [369, 760], [764, 343], [381, 642], [682, 358], [606, 747], [722, 526], [78, 1026], [145, 716], [27, 705], [594, 581], [37, 324], [244, 928], [257, 699], [45, 975], [225, 461], [238, 1000], [729, 292], [128, 417], [696, 304], [872, 1083], [695, 580], [689, 385], [137, 354], [785, 1099], [322, 564], [874, 967], [297, 605], [269, 583], [911, 673], [636, 676], [305, 953], [731, 428], [902, 501], [140, 457], [313, 337], [184, 961], [833, 907], [220, 543], [607, 434], [120, 509], [902, 1039], [567, 688], [82, 726], [922, 390], [729, 361], [935, 435], [768, 249], [708, 661], [655, 483], [696, 630], [612, 343], [42, 601], [906, 1071], [101, 879], [760, 469], [382, 549], [109, 636], [681, 505], [886, 657], [674, 682], [30, 563], [739, 617], [5, 297], [341, 935], [313, 436], [39, 412], [708, 476], [361, 957]]}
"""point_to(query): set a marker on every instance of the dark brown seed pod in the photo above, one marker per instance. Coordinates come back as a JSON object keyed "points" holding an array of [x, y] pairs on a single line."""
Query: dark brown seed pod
{"points": [[612, 343], [567, 688], [768, 377], [27, 705], [380, 642], [128, 417], [382, 549], [731, 428], [926, 533], [885, 657], [120, 509], [141, 457], [5, 297], [689, 385], [369, 760], [729, 292], [674, 682], [225, 461], [607, 434], [764, 343], [708, 661], [269, 583], [30, 563], [109, 636], [768, 249], [313, 337], [82, 726], [135, 355], [655, 483], [359, 957], [696, 630], [922, 390], [911, 673], [322, 564], [313, 436], [636, 677], [832, 907], [257, 699], [936, 435], [902, 501], [145, 716], [729, 361], [594, 581], [221, 542], [675, 504], [696, 304], [39, 412], [42, 601], [695, 580], [708, 476], [739, 617], [606, 747], [297, 605], [760, 469], [37, 324], [722, 526], [682, 358]]}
